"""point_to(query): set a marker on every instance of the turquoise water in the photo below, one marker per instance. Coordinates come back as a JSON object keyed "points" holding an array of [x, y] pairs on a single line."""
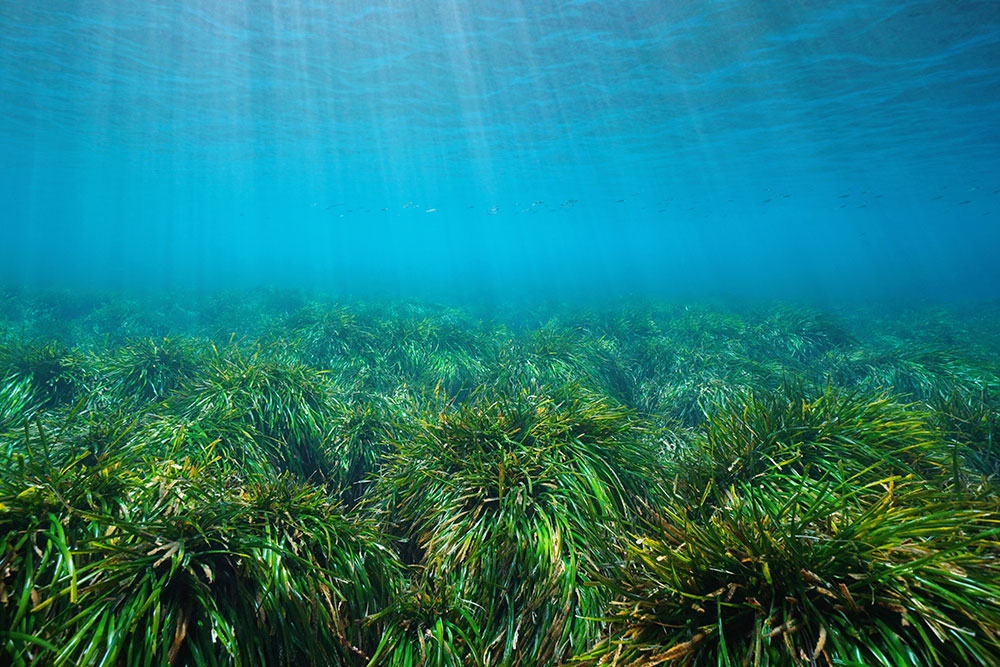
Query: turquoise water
{"points": [[808, 149], [509, 334]]}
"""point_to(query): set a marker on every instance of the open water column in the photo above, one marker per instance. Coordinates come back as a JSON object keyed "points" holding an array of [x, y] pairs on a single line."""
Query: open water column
{"points": [[515, 334]]}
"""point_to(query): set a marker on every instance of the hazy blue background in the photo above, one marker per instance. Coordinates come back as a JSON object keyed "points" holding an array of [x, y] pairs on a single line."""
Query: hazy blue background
{"points": [[826, 149]]}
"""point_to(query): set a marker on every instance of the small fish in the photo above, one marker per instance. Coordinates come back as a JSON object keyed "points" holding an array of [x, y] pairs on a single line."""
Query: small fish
{"points": [[537, 203], [967, 201], [431, 210], [765, 201], [844, 196], [619, 201]]}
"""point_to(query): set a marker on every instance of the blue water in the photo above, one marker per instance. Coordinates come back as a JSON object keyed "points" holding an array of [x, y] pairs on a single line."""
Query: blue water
{"points": [[817, 149]]}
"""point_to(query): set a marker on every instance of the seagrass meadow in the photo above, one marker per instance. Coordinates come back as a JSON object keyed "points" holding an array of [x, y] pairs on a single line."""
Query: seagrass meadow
{"points": [[280, 478], [481, 333]]}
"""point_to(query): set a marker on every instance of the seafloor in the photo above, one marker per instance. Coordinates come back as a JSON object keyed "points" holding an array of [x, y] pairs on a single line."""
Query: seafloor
{"points": [[275, 478]]}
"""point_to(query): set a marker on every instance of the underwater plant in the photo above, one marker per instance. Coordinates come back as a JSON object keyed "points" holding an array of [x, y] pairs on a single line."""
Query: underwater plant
{"points": [[117, 321], [359, 443], [188, 568], [225, 442], [416, 484], [972, 423], [918, 372], [799, 334], [429, 624], [455, 372], [510, 499], [16, 402], [323, 334], [149, 370], [50, 496], [791, 571], [550, 355], [57, 375], [282, 406], [696, 383], [822, 434]]}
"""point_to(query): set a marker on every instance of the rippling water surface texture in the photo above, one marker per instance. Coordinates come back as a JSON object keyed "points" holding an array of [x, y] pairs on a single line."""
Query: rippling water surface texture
{"points": [[816, 149], [499, 333]]}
